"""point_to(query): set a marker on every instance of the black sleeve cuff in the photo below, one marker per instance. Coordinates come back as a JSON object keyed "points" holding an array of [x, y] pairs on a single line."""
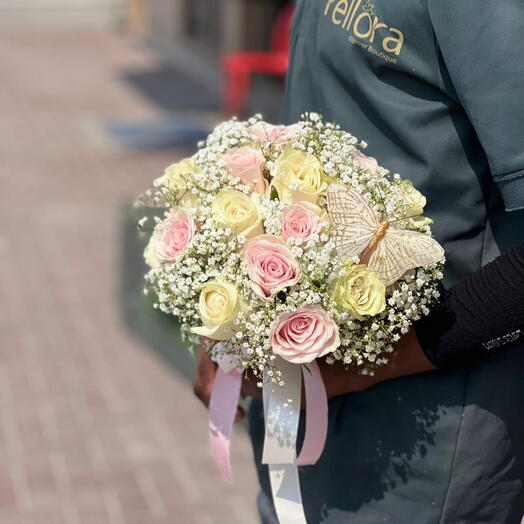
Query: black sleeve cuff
{"points": [[512, 189], [480, 315]]}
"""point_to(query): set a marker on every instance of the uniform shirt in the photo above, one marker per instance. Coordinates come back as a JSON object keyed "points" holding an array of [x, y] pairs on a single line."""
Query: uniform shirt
{"points": [[437, 90], [436, 87]]}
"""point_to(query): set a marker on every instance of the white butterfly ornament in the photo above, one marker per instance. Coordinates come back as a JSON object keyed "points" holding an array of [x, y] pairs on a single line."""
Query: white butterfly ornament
{"points": [[382, 245]]}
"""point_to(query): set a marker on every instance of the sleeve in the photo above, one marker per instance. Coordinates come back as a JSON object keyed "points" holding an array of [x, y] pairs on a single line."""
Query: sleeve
{"points": [[481, 315], [482, 45]]}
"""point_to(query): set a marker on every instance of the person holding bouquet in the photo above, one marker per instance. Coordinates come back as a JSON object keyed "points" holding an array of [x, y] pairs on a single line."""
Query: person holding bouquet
{"points": [[435, 88]]}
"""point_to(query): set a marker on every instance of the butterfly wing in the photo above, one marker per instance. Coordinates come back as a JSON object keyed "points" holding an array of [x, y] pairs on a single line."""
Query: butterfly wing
{"points": [[355, 223], [401, 250]]}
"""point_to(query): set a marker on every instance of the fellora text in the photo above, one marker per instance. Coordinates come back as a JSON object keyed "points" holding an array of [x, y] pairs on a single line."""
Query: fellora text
{"points": [[360, 19]]}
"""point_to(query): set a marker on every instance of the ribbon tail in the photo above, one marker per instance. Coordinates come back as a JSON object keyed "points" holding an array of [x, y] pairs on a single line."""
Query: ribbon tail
{"points": [[285, 486], [222, 410], [282, 413], [316, 416]]}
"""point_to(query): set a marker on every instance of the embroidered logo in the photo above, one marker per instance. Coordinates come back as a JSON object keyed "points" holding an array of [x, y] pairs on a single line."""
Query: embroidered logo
{"points": [[502, 341], [369, 7], [367, 31]]}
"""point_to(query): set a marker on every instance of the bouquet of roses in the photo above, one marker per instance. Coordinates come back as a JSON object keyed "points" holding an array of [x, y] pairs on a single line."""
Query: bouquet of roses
{"points": [[285, 244]]}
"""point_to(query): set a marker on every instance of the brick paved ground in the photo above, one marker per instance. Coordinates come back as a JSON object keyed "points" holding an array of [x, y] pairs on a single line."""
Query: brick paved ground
{"points": [[93, 428]]}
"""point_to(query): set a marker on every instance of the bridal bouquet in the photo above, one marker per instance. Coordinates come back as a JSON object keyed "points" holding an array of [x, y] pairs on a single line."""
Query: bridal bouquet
{"points": [[285, 244], [261, 246]]}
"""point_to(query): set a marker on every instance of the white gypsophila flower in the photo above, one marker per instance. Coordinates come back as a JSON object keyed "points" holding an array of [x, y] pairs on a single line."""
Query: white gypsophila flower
{"points": [[216, 253]]}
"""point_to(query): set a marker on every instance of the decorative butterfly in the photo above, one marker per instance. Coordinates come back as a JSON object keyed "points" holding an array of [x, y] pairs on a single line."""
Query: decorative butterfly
{"points": [[388, 249]]}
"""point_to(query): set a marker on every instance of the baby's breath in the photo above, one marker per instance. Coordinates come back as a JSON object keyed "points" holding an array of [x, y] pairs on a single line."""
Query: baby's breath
{"points": [[216, 252]]}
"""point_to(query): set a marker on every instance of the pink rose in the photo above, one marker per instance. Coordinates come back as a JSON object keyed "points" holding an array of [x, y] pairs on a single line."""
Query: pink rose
{"points": [[173, 235], [277, 135], [300, 220], [270, 265], [246, 164], [366, 162], [291, 132], [304, 335]]}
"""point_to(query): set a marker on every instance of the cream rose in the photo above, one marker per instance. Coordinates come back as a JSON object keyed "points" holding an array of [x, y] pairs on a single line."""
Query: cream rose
{"points": [[237, 211], [360, 291], [175, 180], [298, 176], [270, 265], [421, 221], [219, 305], [301, 220], [170, 238], [150, 257], [304, 335], [415, 200], [246, 163]]}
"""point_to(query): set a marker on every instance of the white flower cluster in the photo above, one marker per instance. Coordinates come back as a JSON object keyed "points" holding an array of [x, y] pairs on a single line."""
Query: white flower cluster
{"points": [[247, 241]]}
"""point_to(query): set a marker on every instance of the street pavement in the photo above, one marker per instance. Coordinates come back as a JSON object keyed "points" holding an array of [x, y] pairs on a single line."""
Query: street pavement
{"points": [[94, 427]]}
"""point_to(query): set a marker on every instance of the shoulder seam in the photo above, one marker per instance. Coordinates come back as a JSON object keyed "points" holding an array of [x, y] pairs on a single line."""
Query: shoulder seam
{"points": [[509, 176]]}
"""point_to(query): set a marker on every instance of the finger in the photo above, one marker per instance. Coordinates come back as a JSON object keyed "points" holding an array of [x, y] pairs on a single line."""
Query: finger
{"points": [[240, 414], [249, 388], [202, 393], [205, 372], [203, 385], [204, 375]]}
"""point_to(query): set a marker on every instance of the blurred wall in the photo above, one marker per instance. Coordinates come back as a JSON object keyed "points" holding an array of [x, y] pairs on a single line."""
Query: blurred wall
{"points": [[61, 14], [209, 27]]}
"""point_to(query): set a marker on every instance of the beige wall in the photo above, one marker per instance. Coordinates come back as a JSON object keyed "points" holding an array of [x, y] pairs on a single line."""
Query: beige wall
{"points": [[244, 24], [231, 28], [138, 21], [167, 19]]}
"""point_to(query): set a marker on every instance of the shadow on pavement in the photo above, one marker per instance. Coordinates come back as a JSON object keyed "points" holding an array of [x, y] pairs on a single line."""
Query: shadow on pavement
{"points": [[172, 90], [188, 111]]}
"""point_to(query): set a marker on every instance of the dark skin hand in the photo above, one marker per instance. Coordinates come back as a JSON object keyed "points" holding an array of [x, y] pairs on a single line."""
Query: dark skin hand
{"points": [[407, 359]]}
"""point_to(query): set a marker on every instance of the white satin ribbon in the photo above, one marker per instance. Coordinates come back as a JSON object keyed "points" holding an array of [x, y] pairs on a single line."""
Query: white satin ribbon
{"points": [[282, 413], [285, 486]]}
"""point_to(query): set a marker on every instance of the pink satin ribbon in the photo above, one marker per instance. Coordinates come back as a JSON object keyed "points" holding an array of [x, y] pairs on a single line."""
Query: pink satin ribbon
{"points": [[222, 410], [316, 416]]}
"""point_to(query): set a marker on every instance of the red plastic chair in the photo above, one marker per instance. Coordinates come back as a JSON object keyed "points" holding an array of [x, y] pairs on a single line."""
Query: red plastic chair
{"points": [[238, 67]]}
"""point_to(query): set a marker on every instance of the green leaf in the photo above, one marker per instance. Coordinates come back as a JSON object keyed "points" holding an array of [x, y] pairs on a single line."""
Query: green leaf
{"points": [[273, 195]]}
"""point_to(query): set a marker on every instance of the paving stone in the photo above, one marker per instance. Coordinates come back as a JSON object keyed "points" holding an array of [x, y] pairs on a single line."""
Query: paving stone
{"points": [[94, 427]]}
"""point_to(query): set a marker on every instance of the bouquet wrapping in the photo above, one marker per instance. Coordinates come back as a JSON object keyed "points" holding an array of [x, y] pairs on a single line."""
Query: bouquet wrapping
{"points": [[281, 245]]}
